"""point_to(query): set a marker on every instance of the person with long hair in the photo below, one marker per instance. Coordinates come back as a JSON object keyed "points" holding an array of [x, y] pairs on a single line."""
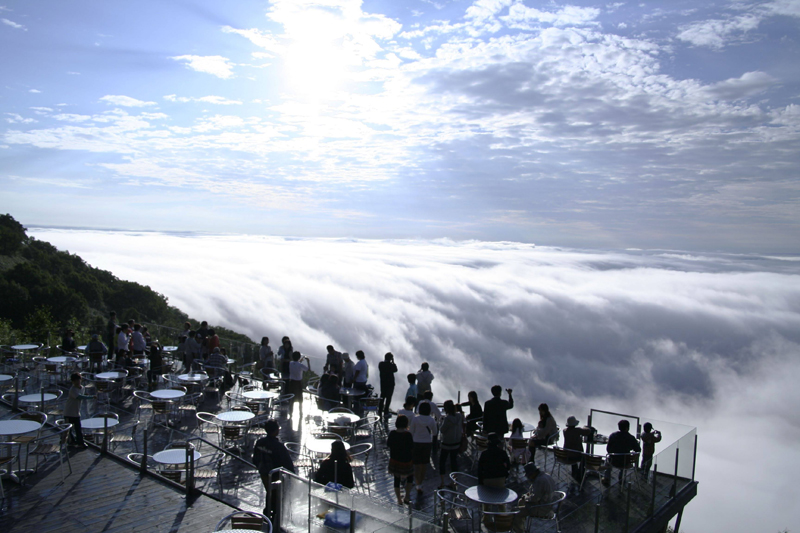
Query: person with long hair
{"points": [[336, 467], [401, 464], [451, 431], [475, 412], [544, 431], [285, 355]]}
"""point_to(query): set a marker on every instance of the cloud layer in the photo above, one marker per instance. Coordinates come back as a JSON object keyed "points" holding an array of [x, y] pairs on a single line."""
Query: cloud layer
{"points": [[700, 340]]}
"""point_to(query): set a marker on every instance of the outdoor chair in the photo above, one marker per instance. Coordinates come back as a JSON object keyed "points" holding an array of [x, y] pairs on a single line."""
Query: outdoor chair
{"points": [[34, 416], [300, 457], [359, 459], [624, 462], [245, 520], [546, 511], [455, 505], [499, 521], [209, 425], [565, 457], [592, 463], [463, 480], [53, 444]]}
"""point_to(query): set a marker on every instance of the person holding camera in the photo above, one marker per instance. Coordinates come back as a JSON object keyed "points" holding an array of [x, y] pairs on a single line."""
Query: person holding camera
{"points": [[495, 419], [649, 439], [387, 369]]}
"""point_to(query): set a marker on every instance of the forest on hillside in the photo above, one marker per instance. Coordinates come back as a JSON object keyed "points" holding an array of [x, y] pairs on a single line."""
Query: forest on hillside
{"points": [[43, 291]]}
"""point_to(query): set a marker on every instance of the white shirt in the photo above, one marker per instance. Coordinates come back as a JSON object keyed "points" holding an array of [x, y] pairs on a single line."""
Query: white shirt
{"points": [[122, 341], [296, 369], [423, 428], [409, 414], [362, 369]]}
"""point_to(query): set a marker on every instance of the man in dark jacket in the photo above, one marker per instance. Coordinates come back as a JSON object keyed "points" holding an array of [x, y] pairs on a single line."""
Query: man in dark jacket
{"points": [[270, 453], [620, 442], [387, 369], [493, 464], [494, 412]]}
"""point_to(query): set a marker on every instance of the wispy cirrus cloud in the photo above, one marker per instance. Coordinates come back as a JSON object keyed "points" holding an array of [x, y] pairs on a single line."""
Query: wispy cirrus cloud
{"points": [[125, 101], [13, 24], [211, 99]]}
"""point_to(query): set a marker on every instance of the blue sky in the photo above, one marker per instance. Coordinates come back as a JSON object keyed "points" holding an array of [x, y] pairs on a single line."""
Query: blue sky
{"points": [[604, 125]]}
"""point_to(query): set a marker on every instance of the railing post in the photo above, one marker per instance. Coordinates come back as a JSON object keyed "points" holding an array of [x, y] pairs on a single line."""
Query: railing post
{"points": [[694, 457], [41, 392], [144, 451], [445, 522], [15, 403], [596, 517], [104, 448], [653, 499], [189, 468], [309, 508], [352, 521], [627, 509], [674, 489]]}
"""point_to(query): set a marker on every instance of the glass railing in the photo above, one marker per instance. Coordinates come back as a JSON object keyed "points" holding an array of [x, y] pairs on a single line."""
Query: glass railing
{"points": [[308, 506]]}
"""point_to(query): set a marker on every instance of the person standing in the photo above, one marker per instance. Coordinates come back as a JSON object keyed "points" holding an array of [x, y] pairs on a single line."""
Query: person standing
{"points": [[270, 453], [139, 344], [333, 361], [296, 371], [387, 369], [111, 330], [348, 370], [401, 464], [495, 419], [424, 379], [573, 440], [72, 409], [265, 354], [423, 430], [285, 355], [191, 350], [649, 438], [451, 431], [360, 372], [123, 340]]}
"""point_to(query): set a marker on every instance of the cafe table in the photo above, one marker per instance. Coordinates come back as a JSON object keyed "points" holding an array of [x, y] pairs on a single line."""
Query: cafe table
{"points": [[351, 393], [175, 456], [167, 394], [322, 446], [235, 416], [99, 423], [196, 377], [491, 496], [5, 377], [333, 417], [10, 428], [238, 531], [111, 375], [526, 427], [37, 398], [260, 395], [24, 347], [61, 359]]}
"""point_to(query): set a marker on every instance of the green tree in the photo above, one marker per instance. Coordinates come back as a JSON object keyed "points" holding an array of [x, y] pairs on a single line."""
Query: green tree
{"points": [[12, 235]]}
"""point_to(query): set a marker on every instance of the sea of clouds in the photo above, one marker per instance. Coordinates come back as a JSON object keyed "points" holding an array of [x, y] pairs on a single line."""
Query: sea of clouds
{"points": [[702, 340]]}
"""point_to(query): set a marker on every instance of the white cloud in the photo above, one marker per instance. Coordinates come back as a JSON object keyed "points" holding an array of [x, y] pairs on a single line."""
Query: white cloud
{"points": [[715, 33], [15, 118], [523, 17], [217, 100], [218, 66], [705, 341], [125, 101], [35, 91], [746, 85], [14, 24]]}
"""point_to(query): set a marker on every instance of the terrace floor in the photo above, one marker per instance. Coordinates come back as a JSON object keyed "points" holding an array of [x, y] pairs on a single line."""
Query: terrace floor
{"points": [[108, 494]]}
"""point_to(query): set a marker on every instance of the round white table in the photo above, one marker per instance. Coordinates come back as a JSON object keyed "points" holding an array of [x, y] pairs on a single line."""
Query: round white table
{"points": [[322, 446], [169, 348], [18, 427], [21, 347], [98, 423], [61, 359], [5, 377], [167, 394], [176, 456], [231, 361], [36, 398], [238, 531], [82, 348], [193, 377], [490, 495], [111, 375], [235, 416], [333, 417], [260, 395]]}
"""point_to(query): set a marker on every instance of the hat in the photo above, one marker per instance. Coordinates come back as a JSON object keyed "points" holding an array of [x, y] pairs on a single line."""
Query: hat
{"points": [[216, 350], [346, 355], [95, 337], [271, 426], [572, 422], [531, 470]]}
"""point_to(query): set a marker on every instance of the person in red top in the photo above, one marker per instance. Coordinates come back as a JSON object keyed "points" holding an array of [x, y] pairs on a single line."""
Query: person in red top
{"points": [[212, 341]]}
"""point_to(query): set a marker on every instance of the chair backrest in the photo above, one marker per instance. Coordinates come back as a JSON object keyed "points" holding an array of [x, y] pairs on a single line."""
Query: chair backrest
{"points": [[566, 456], [552, 439], [624, 460], [499, 521], [245, 520], [360, 449], [115, 416], [207, 418], [463, 480], [481, 442], [593, 462], [34, 416]]}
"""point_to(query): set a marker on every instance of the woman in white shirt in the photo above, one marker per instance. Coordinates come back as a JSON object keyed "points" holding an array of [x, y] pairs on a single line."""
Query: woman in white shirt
{"points": [[423, 429]]}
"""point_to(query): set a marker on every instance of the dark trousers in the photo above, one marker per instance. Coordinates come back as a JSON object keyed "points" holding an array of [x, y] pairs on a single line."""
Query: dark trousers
{"points": [[76, 429], [386, 394], [443, 460]]}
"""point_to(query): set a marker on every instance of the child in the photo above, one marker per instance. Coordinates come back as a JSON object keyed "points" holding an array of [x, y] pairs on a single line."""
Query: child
{"points": [[412, 386]]}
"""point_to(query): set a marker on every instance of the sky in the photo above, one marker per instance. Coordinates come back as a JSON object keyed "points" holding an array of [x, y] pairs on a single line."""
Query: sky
{"points": [[670, 125], [682, 339]]}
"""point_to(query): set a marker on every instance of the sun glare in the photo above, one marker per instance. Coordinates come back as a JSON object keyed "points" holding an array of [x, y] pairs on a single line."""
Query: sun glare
{"points": [[316, 62]]}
